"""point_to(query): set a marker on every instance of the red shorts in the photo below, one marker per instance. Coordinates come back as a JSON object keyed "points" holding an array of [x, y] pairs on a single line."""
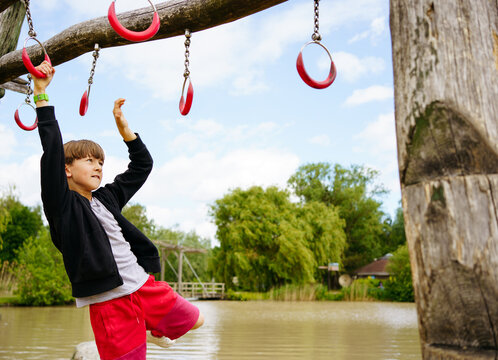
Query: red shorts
{"points": [[120, 325]]}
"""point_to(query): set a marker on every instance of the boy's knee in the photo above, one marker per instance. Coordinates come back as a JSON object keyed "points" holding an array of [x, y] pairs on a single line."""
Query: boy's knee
{"points": [[200, 321]]}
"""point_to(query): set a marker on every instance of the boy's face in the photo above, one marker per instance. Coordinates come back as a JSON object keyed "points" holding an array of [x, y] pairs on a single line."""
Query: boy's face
{"points": [[84, 175]]}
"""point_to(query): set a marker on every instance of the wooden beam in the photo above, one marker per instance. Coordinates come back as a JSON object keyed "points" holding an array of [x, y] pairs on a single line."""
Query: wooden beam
{"points": [[18, 85], [175, 17]]}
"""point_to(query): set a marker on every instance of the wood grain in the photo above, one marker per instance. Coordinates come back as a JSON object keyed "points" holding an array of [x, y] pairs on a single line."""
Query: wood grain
{"points": [[445, 57]]}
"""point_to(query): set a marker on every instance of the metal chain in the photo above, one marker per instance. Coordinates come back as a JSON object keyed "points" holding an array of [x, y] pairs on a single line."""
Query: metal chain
{"points": [[31, 31], [186, 74], [95, 57], [316, 35], [30, 91]]}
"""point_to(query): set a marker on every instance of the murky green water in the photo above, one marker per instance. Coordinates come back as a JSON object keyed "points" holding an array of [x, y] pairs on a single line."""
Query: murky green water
{"points": [[236, 330]]}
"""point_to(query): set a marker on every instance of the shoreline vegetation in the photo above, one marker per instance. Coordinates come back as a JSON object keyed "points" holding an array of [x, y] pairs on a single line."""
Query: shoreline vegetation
{"points": [[359, 290], [267, 242]]}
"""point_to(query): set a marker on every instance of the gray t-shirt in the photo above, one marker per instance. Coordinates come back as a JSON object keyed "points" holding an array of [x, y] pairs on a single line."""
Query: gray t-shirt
{"points": [[134, 276]]}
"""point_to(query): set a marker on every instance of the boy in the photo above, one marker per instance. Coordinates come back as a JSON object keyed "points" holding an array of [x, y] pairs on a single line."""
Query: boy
{"points": [[105, 256]]}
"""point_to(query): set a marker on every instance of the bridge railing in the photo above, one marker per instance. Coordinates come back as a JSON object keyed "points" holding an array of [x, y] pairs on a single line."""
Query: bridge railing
{"points": [[196, 289]]}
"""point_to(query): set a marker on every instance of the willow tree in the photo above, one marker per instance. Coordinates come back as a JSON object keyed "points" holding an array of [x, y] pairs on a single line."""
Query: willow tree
{"points": [[445, 57]]}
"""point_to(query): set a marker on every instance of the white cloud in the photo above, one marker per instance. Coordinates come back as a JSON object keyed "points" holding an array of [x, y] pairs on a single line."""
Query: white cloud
{"points": [[8, 141], [378, 140], [377, 28], [207, 134], [180, 190], [372, 93], [322, 140], [25, 177], [352, 68], [238, 52], [379, 136]]}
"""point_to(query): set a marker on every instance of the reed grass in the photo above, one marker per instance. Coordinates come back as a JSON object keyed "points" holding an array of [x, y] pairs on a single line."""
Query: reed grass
{"points": [[8, 280], [290, 292], [358, 291]]}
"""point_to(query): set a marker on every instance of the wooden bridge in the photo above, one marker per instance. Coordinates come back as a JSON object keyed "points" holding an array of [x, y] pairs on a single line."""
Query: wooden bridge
{"points": [[198, 290]]}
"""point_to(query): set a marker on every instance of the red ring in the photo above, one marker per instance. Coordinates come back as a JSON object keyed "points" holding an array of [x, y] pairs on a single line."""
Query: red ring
{"points": [[27, 61], [19, 122], [132, 35], [185, 105], [307, 79], [84, 103]]}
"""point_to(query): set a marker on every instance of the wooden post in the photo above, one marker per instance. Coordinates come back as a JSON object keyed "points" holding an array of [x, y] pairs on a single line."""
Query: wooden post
{"points": [[445, 60], [180, 271], [163, 263], [10, 27]]}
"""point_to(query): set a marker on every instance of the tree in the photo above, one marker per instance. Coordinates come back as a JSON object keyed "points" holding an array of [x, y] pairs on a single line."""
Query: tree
{"points": [[394, 232], [399, 286], [266, 240], [23, 223], [352, 191], [41, 274], [446, 85]]}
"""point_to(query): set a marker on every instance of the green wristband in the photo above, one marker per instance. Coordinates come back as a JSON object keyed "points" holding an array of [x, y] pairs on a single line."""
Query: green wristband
{"points": [[39, 97]]}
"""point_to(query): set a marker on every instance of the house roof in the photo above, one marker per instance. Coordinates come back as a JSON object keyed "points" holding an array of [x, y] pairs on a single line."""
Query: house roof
{"points": [[375, 268]]}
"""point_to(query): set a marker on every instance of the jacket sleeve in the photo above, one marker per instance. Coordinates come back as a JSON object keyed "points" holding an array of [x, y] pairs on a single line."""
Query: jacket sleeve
{"points": [[54, 187], [125, 185]]}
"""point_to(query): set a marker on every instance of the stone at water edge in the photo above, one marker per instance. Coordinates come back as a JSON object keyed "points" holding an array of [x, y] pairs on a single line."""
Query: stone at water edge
{"points": [[86, 351]]}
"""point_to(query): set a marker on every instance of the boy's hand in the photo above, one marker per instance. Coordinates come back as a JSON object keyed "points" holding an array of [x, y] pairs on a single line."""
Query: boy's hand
{"points": [[121, 121], [40, 84]]}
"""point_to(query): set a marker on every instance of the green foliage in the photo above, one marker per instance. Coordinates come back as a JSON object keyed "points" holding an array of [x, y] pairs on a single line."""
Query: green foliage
{"points": [[137, 215], [245, 295], [352, 191], [357, 291], [399, 287], [296, 292], [19, 223], [267, 241], [394, 232], [41, 274]]}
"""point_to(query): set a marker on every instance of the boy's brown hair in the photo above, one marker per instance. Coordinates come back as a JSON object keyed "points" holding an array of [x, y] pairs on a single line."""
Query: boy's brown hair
{"points": [[79, 149]]}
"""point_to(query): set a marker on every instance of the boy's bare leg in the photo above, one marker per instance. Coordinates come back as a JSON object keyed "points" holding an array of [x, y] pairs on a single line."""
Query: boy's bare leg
{"points": [[199, 323]]}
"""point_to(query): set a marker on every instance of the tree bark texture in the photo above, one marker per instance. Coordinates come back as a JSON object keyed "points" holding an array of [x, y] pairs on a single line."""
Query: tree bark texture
{"points": [[445, 61], [10, 27], [175, 17]]}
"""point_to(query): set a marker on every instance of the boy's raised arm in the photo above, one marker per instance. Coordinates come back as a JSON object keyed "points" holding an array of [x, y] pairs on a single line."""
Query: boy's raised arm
{"points": [[126, 184], [121, 121], [54, 186]]}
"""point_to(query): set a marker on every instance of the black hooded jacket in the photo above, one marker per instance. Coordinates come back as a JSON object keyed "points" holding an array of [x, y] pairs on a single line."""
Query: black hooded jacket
{"points": [[75, 229]]}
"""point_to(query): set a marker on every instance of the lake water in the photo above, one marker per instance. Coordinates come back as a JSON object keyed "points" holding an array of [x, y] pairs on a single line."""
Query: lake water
{"points": [[236, 330]]}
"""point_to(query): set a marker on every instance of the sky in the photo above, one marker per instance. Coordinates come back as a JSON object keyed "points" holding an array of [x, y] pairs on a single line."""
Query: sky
{"points": [[253, 121]]}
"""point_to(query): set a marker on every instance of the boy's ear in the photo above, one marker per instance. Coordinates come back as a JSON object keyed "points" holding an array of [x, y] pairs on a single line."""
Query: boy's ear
{"points": [[68, 171]]}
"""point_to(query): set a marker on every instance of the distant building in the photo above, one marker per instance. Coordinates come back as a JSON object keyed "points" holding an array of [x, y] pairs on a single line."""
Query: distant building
{"points": [[376, 269]]}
